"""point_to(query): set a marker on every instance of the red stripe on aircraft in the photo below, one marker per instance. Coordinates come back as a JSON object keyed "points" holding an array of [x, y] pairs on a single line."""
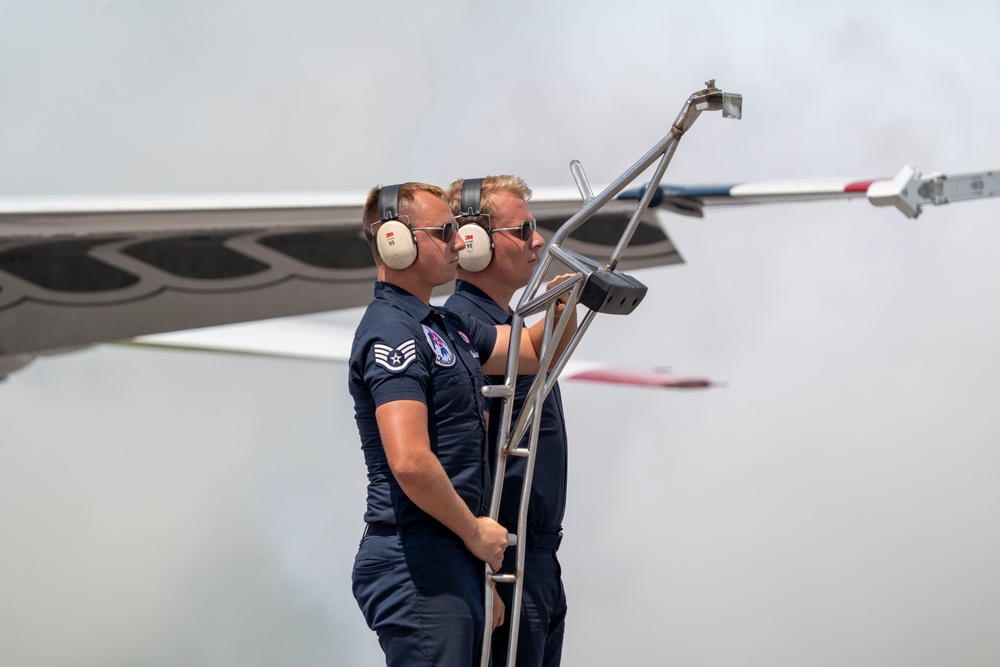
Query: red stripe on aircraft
{"points": [[642, 378], [860, 186]]}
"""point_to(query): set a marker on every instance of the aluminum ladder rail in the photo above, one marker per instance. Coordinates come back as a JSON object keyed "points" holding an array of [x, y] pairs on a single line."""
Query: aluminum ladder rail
{"points": [[598, 288]]}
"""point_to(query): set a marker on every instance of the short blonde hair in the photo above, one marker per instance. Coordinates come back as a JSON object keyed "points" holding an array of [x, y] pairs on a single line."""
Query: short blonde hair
{"points": [[491, 188]]}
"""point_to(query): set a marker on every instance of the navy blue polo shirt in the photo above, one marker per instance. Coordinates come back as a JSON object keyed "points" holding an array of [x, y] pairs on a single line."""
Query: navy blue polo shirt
{"points": [[405, 349], [548, 490]]}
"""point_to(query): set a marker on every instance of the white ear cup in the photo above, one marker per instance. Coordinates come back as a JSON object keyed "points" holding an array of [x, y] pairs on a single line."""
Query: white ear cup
{"points": [[396, 245], [478, 251]]}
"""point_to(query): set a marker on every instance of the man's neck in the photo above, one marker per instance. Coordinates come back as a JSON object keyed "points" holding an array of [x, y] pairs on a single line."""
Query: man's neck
{"points": [[405, 281], [492, 290]]}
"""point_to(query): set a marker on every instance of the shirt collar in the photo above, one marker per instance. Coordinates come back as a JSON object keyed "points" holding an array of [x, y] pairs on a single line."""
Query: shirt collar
{"points": [[477, 296], [399, 297]]}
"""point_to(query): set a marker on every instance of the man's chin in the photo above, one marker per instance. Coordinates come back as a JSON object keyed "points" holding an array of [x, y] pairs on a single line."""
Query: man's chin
{"points": [[448, 276]]}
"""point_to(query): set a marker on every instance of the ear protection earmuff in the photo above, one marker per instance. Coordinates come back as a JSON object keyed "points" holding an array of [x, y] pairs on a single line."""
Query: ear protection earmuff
{"points": [[394, 239], [478, 251]]}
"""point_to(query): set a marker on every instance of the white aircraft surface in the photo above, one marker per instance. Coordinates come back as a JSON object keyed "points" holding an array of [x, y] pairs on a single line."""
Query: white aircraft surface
{"points": [[831, 506], [75, 272]]}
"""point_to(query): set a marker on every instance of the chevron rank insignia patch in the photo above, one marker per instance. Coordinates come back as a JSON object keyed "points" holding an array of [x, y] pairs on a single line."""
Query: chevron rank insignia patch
{"points": [[395, 359]]}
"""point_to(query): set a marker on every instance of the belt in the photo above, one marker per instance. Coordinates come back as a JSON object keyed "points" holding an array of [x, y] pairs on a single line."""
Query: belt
{"points": [[538, 540], [544, 541], [419, 527]]}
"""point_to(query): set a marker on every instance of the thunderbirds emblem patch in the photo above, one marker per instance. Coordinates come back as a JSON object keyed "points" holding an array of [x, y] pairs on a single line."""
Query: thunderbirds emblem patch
{"points": [[464, 337], [395, 359], [443, 356]]}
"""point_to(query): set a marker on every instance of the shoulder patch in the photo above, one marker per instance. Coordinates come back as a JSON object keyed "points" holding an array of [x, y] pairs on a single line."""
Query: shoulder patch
{"points": [[443, 356], [395, 359]]}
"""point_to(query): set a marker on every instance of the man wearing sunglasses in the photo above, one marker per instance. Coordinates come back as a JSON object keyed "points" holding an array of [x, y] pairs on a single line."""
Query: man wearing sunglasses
{"points": [[493, 266], [415, 374]]}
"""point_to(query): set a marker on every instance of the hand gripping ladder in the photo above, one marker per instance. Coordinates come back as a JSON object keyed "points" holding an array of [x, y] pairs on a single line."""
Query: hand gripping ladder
{"points": [[601, 289]]}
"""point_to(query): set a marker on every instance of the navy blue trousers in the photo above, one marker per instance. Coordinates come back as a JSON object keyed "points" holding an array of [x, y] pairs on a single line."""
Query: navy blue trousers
{"points": [[422, 593], [543, 612]]}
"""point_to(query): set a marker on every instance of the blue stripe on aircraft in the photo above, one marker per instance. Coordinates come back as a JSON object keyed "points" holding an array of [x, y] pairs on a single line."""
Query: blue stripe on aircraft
{"points": [[679, 192]]}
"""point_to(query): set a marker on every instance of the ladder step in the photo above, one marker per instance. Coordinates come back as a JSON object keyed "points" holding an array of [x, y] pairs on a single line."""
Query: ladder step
{"points": [[497, 391]]}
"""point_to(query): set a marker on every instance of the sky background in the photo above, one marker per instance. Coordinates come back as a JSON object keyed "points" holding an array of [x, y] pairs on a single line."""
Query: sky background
{"points": [[835, 504]]}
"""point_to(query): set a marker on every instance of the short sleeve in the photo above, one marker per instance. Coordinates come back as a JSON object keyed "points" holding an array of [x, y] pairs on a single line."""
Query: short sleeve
{"points": [[394, 365], [484, 336]]}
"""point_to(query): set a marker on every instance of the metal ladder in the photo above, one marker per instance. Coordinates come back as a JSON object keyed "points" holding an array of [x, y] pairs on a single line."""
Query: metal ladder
{"points": [[601, 289]]}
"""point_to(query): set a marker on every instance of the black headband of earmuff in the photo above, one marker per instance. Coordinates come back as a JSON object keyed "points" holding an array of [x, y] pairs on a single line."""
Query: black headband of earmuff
{"points": [[388, 203], [471, 193]]}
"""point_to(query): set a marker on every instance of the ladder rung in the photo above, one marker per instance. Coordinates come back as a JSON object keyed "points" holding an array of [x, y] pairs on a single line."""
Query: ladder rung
{"points": [[497, 391]]}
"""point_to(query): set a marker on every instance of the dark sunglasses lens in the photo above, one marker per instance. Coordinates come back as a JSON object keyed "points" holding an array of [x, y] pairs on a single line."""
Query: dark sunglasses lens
{"points": [[448, 231], [527, 229]]}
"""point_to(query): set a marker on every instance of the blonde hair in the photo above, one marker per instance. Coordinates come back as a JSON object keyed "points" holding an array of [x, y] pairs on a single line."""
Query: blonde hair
{"points": [[492, 187]]}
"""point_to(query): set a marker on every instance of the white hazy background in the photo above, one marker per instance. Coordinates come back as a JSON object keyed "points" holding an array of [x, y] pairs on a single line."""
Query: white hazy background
{"points": [[836, 504]]}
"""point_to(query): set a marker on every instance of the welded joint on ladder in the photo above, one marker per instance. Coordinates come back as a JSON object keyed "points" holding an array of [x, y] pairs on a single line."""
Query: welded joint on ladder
{"points": [[497, 391], [540, 303]]}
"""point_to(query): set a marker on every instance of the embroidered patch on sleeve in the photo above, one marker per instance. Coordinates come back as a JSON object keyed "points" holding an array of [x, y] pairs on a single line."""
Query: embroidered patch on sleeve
{"points": [[465, 338], [395, 359]]}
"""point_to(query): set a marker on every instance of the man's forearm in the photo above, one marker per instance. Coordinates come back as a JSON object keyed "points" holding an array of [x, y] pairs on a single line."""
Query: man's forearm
{"points": [[403, 427], [425, 482], [428, 486], [536, 333]]}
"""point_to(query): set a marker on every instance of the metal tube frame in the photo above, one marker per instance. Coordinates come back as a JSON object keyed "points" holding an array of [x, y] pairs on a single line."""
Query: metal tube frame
{"points": [[708, 99]]}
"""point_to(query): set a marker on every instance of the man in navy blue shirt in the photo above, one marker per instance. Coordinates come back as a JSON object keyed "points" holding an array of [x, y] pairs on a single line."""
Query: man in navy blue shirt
{"points": [[492, 268], [415, 376]]}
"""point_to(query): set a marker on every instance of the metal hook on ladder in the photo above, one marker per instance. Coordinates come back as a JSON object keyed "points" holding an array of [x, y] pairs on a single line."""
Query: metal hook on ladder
{"points": [[601, 289]]}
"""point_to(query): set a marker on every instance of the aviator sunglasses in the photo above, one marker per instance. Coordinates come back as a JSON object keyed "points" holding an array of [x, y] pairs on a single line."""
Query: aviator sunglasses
{"points": [[526, 229], [447, 230]]}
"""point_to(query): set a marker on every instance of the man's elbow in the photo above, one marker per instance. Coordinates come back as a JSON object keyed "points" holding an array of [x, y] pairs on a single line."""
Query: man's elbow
{"points": [[408, 470]]}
